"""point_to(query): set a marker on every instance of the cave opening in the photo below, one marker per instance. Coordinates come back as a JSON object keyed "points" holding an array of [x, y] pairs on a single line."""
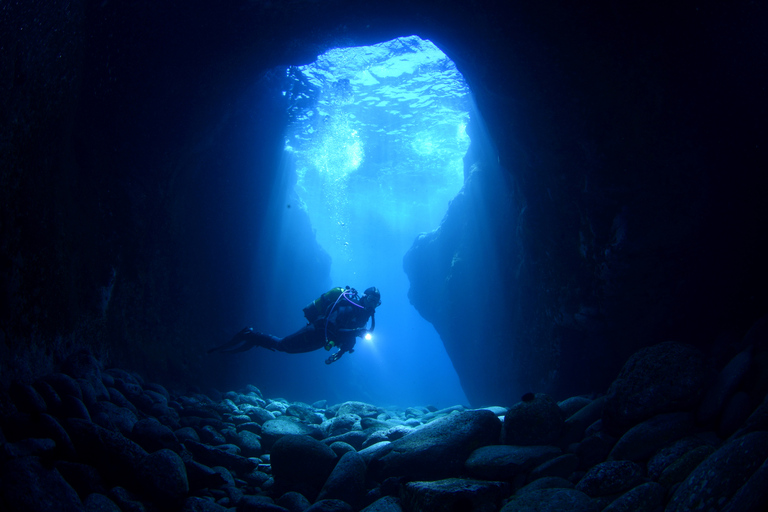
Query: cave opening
{"points": [[373, 156]]}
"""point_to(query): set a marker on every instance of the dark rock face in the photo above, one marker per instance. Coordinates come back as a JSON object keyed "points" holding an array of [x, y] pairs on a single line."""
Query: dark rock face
{"points": [[625, 193]]}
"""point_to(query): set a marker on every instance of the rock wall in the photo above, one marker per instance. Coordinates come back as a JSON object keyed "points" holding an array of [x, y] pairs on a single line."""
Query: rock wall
{"points": [[138, 142], [635, 191]]}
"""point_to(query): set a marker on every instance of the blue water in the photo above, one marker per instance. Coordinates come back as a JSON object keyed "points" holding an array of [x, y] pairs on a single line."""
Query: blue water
{"points": [[373, 157]]}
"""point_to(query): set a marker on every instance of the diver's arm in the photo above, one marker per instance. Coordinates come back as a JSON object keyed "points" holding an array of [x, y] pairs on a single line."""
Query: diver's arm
{"points": [[349, 346], [359, 333], [335, 357]]}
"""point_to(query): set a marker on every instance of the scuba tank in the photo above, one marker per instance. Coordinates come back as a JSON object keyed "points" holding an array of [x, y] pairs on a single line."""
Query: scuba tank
{"points": [[319, 306]]}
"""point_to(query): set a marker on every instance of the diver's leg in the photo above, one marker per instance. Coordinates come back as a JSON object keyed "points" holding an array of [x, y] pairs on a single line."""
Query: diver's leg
{"points": [[246, 340], [306, 339]]}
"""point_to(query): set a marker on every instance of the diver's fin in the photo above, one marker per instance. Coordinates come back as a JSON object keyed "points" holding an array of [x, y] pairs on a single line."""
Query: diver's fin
{"points": [[240, 342]]}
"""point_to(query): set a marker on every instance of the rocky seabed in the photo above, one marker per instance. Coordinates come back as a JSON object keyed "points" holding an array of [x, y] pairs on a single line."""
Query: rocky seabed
{"points": [[670, 434]]}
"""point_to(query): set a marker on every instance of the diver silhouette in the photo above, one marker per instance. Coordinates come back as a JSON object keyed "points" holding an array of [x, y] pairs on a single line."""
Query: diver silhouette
{"points": [[335, 319]]}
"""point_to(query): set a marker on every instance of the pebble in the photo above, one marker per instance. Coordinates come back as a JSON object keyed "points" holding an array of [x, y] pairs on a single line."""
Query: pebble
{"points": [[104, 441]]}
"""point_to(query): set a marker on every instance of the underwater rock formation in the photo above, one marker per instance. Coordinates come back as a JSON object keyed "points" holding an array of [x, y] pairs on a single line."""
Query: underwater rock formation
{"points": [[151, 449], [631, 138]]}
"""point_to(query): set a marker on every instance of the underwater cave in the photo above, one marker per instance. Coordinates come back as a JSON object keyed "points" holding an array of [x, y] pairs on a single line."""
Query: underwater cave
{"points": [[374, 153], [568, 227]]}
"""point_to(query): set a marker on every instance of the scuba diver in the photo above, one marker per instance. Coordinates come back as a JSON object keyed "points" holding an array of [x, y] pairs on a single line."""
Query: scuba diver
{"points": [[335, 319]]}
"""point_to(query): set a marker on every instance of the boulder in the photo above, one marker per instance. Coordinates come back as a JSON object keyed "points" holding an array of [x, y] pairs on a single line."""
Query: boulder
{"points": [[73, 407], [214, 457], [329, 506], [153, 435], [610, 477], [593, 449], [436, 450], [293, 502], [158, 388], [249, 443], [89, 392], [729, 377], [21, 426], [667, 377], [27, 399], [209, 435], [570, 406], [551, 500], [304, 412], [272, 430], [32, 446], [301, 464], [51, 397], [719, 477], [360, 409], [669, 454], [117, 398], [185, 434], [752, 496], [737, 410], [163, 477], [547, 482], [195, 504], [200, 476], [384, 504], [121, 417], [354, 438], [257, 414], [25, 484], [64, 385], [682, 467], [645, 439], [110, 452], [504, 462], [453, 494], [562, 466], [82, 365], [347, 480], [126, 500], [758, 420], [388, 434], [538, 421], [577, 423], [646, 497], [84, 478], [97, 502], [340, 448], [341, 424]]}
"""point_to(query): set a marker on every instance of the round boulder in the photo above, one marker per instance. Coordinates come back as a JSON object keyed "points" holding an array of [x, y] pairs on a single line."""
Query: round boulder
{"points": [[667, 377], [164, 476], [538, 421], [301, 464]]}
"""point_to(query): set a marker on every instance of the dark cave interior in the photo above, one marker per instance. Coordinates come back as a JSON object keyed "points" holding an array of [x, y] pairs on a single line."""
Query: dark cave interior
{"points": [[633, 138]]}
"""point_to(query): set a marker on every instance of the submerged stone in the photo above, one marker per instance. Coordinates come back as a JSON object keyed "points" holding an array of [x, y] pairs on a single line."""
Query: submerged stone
{"points": [[454, 494]]}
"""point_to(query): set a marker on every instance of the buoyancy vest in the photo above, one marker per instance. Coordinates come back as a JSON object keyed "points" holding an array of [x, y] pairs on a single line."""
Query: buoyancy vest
{"points": [[321, 305]]}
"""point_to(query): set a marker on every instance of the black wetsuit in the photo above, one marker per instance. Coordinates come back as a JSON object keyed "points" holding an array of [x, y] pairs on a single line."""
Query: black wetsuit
{"points": [[343, 325]]}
